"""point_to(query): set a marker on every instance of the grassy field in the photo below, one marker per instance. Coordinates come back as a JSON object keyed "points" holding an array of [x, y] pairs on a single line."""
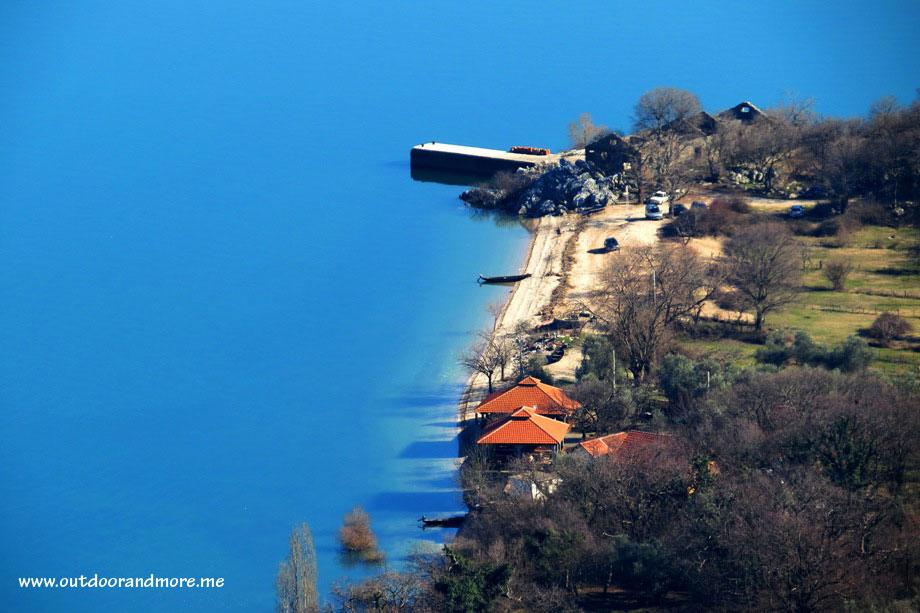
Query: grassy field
{"points": [[883, 279]]}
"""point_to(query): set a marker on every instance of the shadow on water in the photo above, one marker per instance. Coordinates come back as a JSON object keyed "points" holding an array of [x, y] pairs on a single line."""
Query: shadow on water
{"points": [[441, 424], [429, 450], [440, 398], [416, 502], [446, 482], [351, 559], [445, 177], [501, 219]]}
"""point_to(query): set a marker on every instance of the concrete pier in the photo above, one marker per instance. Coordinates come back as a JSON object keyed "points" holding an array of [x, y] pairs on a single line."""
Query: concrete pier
{"points": [[471, 160]]}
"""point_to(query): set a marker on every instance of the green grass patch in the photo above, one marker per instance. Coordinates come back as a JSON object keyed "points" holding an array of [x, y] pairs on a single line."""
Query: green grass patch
{"points": [[884, 278], [725, 350], [881, 265]]}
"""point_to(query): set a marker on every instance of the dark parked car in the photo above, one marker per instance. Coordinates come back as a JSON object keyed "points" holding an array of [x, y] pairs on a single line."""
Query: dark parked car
{"points": [[611, 244], [814, 192], [699, 205], [678, 209]]}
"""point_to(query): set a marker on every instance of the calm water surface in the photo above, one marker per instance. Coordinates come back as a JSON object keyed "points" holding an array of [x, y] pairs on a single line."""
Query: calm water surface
{"points": [[226, 308]]}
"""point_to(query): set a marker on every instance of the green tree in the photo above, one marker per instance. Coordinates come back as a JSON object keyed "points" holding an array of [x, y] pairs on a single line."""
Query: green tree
{"points": [[644, 567], [847, 453], [853, 355], [685, 382], [468, 587], [603, 405], [555, 556], [597, 358]]}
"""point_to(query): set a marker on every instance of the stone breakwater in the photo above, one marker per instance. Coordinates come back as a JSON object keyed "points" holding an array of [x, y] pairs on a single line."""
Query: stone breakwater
{"points": [[535, 192]]}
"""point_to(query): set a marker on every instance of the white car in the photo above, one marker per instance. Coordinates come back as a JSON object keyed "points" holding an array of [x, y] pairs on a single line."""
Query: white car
{"points": [[653, 211], [659, 198]]}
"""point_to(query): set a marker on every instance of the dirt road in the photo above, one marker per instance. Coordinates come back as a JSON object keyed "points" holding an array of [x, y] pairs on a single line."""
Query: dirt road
{"points": [[626, 223]]}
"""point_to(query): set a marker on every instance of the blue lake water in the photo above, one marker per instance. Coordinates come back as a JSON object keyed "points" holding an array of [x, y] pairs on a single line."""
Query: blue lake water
{"points": [[225, 307]]}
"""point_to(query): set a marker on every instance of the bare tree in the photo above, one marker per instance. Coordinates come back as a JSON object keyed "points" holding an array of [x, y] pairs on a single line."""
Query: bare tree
{"points": [[682, 280], [664, 158], [634, 315], [765, 144], [764, 264], [584, 132], [884, 106], [519, 339], [483, 358], [296, 581], [663, 107], [504, 354], [648, 290], [669, 164], [836, 271], [889, 326], [388, 592], [795, 111], [719, 149], [603, 405], [844, 167]]}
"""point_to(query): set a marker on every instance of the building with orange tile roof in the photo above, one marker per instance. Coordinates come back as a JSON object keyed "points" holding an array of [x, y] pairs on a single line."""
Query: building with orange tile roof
{"points": [[631, 447], [530, 392], [524, 431]]}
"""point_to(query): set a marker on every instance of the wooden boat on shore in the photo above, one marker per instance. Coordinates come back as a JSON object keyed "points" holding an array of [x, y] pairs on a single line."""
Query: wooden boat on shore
{"points": [[454, 521], [504, 279]]}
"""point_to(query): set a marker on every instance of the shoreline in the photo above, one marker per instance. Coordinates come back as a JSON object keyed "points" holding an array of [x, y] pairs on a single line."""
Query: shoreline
{"points": [[544, 263], [566, 272]]}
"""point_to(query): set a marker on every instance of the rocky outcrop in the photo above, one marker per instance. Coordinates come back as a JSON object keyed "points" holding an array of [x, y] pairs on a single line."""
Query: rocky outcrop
{"points": [[556, 190]]}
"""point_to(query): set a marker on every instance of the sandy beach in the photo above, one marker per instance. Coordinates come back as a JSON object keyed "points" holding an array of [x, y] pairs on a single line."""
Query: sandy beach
{"points": [[566, 266]]}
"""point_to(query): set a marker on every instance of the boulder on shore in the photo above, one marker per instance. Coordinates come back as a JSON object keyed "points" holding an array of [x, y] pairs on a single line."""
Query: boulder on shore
{"points": [[554, 190]]}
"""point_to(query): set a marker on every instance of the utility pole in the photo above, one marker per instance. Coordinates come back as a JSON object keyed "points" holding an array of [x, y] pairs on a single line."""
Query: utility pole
{"points": [[614, 369]]}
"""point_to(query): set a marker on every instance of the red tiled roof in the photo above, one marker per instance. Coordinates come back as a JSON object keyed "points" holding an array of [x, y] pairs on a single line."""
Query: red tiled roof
{"points": [[529, 392], [525, 427], [630, 446]]}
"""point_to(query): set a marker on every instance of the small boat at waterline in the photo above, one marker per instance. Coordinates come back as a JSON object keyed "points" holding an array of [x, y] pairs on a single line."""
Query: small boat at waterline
{"points": [[454, 521], [504, 279]]}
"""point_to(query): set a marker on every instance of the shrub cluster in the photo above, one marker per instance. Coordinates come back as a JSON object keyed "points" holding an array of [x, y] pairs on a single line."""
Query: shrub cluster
{"points": [[852, 355], [837, 271], [889, 326], [721, 218], [358, 538]]}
